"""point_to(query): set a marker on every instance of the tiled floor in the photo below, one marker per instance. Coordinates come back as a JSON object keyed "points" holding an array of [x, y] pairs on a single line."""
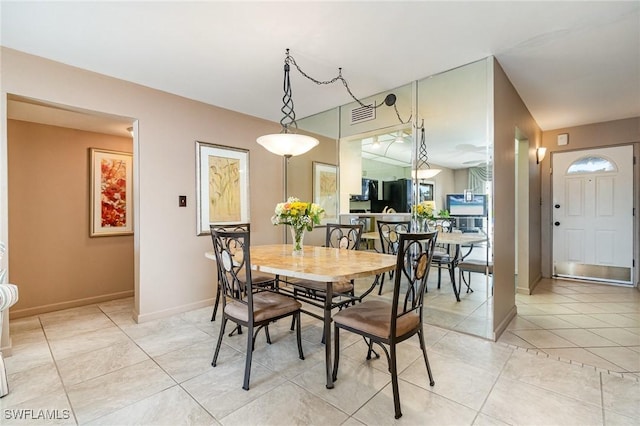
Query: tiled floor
{"points": [[94, 365], [594, 324]]}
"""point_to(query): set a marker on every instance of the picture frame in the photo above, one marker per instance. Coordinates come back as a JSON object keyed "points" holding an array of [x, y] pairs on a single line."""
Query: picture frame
{"points": [[222, 185], [111, 193], [325, 190], [425, 192]]}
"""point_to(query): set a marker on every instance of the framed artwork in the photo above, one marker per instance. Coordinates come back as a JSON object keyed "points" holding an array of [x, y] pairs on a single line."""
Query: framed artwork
{"points": [[426, 192], [111, 195], [222, 185], [325, 190]]}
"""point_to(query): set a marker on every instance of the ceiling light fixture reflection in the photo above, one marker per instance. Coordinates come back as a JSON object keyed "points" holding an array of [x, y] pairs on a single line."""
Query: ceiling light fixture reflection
{"points": [[399, 138], [423, 170]]}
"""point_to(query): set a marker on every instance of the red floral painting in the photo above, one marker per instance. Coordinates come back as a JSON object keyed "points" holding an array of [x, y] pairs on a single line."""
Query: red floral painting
{"points": [[111, 191], [113, 187]]}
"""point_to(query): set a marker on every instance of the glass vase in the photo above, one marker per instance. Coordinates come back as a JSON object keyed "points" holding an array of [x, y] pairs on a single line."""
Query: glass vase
{"points": [[297, 236]]}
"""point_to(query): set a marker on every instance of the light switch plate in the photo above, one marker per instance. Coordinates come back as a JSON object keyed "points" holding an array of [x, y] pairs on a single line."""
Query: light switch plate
{"points": [[182, 201]]}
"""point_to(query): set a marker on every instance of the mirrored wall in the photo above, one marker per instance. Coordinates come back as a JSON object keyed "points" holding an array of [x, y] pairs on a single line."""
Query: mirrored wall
{"points": [[376, 155]]}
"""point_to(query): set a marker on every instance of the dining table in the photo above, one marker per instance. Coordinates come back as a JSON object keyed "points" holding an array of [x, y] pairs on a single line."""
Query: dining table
{"points": [[321, 264]]}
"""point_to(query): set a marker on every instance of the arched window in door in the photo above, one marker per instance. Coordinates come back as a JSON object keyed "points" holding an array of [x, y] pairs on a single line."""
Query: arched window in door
{"points": [[592, 164]]}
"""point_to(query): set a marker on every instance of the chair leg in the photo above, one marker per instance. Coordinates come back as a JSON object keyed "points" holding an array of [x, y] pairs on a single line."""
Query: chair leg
{"points": [[266, 333], [381, 284], [299, 335], [424, 353], [336, 358], [216, 303], [247, 367], [293, 323], [393, 369], [215, 355], [452, 275], [439, 275]]}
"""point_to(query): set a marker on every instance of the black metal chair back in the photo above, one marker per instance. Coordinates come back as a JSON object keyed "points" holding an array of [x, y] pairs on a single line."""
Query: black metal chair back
{"points": [[232, 256], [343, 236], [389, 231]]}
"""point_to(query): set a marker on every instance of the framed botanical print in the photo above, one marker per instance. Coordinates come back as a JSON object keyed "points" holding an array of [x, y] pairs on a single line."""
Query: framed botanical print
{"points": [[222, 185], [325, 190]]}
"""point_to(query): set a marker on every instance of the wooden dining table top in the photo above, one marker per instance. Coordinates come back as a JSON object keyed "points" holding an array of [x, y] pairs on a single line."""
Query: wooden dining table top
{"points": [[322, 264]]}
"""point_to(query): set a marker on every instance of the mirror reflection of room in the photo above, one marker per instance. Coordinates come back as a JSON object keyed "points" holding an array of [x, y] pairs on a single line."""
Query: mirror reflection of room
{"points": [[376, 160]]}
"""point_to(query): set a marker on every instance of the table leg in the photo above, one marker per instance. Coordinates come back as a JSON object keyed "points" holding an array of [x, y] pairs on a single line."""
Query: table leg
{"points": [[327, 334]]}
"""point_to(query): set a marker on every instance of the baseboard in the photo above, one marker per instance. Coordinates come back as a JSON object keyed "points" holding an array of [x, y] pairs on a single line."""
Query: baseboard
{"points": [[140, 318], [504, 323], [7, 351], [37, 310]]}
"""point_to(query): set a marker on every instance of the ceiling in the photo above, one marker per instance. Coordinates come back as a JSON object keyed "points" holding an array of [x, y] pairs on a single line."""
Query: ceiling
{"points": [[572, 63]]}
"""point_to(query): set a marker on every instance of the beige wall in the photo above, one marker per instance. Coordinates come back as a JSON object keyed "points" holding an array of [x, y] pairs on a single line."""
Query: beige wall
{"points": [[610, 133], [510, 114], [171, 273], [52, 257]]}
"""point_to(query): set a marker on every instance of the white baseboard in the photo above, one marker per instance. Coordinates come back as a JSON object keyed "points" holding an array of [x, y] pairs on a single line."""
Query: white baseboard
{"points": [[37, 310], [140, 318]]}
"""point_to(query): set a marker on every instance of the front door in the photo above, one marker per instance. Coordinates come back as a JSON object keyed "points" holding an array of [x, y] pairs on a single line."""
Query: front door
{"points": [[593, 214]]}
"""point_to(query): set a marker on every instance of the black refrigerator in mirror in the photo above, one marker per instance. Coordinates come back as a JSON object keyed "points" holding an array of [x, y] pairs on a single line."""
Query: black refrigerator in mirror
{"points": [[398, 194]]}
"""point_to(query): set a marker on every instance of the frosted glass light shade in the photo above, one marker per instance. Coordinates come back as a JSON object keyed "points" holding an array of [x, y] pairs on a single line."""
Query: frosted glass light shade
{"points": [[425, 173], [287, 144]]}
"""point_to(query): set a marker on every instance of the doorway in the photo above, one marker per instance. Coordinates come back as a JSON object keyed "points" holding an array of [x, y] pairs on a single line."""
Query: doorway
{"points": [[593, 215], [53, 257]]}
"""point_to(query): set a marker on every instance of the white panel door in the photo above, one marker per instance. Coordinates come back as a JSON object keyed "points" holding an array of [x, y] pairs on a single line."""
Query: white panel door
{"points": [[593, 214]]}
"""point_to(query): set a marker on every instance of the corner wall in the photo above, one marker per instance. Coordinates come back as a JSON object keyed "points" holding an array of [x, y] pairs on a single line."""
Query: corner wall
{"points": [[52, 256], [511, 113]]}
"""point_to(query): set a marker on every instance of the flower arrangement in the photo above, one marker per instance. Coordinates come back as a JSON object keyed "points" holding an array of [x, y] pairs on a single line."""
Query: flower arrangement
{"points": [[300, 215], [424, 210]]}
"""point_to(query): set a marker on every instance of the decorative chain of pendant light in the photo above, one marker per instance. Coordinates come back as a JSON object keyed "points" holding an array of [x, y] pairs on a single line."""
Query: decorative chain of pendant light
{"points": [[389, 100]]}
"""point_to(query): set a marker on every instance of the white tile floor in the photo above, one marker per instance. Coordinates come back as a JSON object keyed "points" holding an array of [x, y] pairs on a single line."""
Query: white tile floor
{"points": [[94, 365]]}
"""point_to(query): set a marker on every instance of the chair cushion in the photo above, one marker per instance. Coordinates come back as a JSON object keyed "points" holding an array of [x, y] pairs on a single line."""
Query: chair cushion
{"points": [[441, 257], [476, 266], [374, 317], [266, 305], [257, 278], [343, 286]]}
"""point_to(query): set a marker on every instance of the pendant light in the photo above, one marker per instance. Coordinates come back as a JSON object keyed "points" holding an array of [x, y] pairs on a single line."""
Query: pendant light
{"points": [[287, 143], [423, 169]]}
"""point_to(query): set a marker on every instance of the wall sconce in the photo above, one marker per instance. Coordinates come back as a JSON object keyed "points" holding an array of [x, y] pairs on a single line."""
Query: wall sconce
{"points": [[540, 153]]}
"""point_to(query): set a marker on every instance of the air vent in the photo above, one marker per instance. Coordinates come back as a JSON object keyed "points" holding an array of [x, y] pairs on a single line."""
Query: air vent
{"points": [[360, 114]]}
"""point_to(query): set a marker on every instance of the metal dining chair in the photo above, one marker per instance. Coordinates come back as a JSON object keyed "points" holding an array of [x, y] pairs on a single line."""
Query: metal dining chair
{"points": [[388, 322], [259, 279], [240, 303], [340, 236]]}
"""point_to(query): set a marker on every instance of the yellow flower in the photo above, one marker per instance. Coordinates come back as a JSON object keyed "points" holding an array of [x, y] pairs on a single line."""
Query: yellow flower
{"points": [[299, 214]]}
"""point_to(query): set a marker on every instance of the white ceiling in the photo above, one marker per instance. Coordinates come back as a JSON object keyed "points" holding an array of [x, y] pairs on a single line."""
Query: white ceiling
{"points": [[572, 63]]}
